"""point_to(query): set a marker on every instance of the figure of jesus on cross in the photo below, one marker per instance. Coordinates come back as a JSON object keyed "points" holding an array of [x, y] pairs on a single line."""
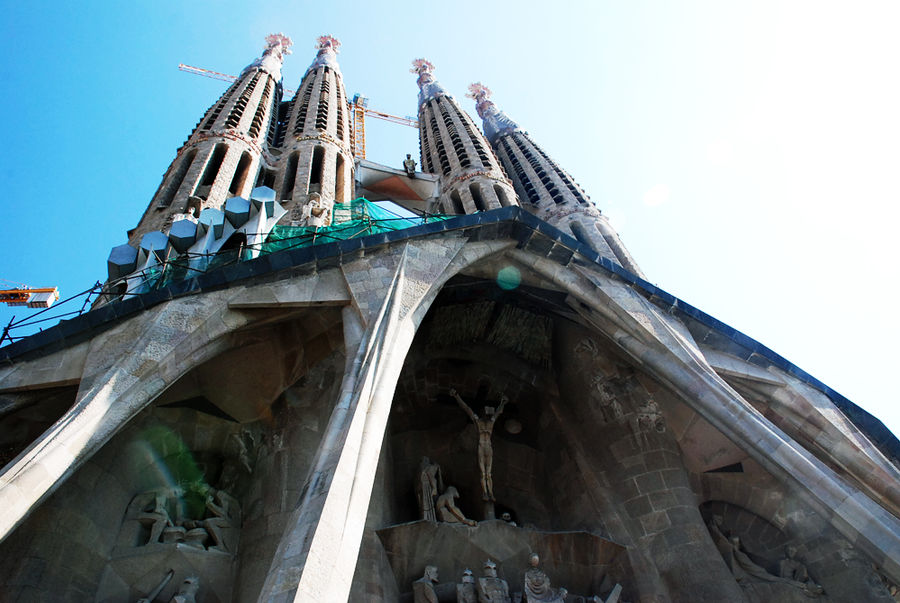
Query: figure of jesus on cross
{"points": [[485, 428]]}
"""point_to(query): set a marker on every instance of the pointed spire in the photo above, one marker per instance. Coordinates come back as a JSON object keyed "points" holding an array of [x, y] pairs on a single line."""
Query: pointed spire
{"points": [[496, 122], [428, 87], [277, 45], [327, 55]]}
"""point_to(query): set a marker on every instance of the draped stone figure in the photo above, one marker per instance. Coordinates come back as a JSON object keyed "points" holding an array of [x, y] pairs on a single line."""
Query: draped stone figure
{"points": [[447, 510], [423, 588], [428, 486], [465, 591], [485, 426]]}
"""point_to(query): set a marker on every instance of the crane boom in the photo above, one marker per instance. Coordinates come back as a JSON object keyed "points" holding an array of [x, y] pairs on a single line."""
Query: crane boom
{"points": [[33, 298]]}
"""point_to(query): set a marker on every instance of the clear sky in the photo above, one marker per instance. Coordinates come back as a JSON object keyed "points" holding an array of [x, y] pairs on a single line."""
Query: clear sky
{"points": [[747, 152]]}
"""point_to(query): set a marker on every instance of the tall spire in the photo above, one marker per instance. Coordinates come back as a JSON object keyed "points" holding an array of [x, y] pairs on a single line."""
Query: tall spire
{"points": [[496, 122], [223, 153], [544, 188], [451, 145], [315, 162]]}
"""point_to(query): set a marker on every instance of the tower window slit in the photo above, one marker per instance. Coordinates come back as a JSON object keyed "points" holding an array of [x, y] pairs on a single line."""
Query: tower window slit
{"points": [[240, 174], [290, 176], [339, 179], [212, 167], [177, 179], [315, 170], [340, 115], [303, 106], [261, 109], [475, 190], [457, 203], [501, 195], [238, 110]]}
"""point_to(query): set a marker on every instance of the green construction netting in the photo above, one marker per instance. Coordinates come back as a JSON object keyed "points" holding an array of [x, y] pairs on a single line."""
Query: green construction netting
{"points": [[358, 218]]}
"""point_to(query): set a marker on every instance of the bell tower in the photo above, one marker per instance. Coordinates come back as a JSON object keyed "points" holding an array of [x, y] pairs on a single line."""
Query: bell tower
{"points": [[544, 188], [451, 145]]}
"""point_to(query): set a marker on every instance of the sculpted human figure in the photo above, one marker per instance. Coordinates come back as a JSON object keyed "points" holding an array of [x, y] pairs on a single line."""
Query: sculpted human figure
{"points": [[492, 589], [187, 592], [447, 510], [537, 585], [423, 588], [428, 485], [485, 426], [157, 517], [226, 514], [465, 592]]}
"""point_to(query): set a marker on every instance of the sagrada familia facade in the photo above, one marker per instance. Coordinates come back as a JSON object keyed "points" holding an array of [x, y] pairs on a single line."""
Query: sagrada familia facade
{"points": [[287, 394]]}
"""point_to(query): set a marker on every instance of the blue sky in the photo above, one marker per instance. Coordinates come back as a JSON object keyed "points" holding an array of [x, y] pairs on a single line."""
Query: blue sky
{"points": [[747, 152]]}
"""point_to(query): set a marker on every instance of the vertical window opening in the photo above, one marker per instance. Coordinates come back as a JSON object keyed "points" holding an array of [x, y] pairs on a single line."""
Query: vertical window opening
{"points": [[215, 162], [457, 202], [501, 195], [339, 180], [315, 172], [290, 175], [240, 174], [477, 198], [169, 195]]}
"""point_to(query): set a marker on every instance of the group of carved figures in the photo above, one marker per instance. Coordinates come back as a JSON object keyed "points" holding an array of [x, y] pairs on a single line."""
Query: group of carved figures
{"points": [[212, 530], [490, 588], [791, 571]]}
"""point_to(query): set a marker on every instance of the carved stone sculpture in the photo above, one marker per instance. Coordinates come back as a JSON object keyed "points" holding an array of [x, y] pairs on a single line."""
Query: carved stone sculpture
{"points": [[423, 588], [537, 585], [428, 486], [447, 511], [485, 426], [316, 212], [409, 164], [187, 592], [492, 589], [744, 569], [649, 416], [465, 592], [157, 517], [226, 518], [794, 571]]}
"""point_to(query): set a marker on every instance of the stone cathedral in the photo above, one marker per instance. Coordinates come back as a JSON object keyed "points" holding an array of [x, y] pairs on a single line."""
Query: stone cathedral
{"points": [[288, 391]]}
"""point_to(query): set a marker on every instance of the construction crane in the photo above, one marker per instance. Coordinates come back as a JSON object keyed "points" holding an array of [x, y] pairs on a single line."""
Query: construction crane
{"points": [[26, 296], [359, 109]]}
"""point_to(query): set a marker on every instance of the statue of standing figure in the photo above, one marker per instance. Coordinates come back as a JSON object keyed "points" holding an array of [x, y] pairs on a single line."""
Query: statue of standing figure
{"points": [[491, 588], [423, 588], [485, 426], [428, 486]]}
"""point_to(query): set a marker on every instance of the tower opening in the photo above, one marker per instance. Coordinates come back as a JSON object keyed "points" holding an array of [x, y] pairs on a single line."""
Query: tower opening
{"points": [[290, 176], [215, 162], [177, 179], [240, 174], [339, 180], [315, 171], [501, 195], [480, 205], [457, 203]]}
